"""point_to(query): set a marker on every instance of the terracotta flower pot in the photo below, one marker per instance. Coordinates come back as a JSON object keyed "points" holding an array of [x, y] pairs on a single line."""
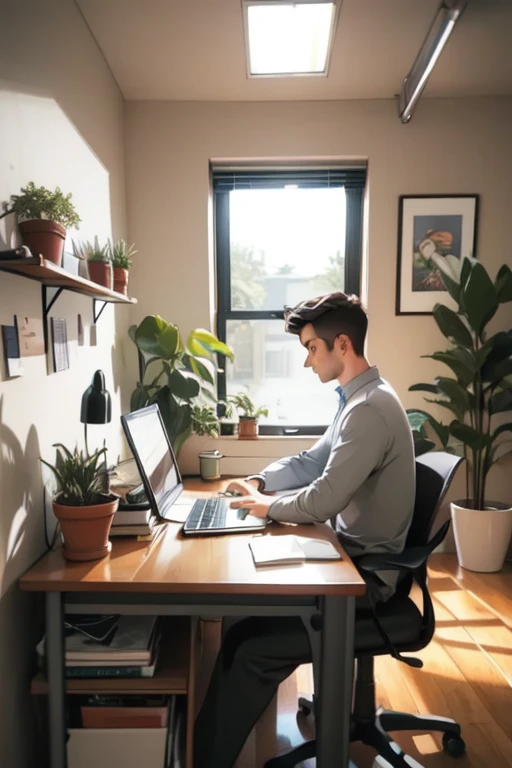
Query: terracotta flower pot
{"points": [[86, 529], [100, 272], [248, 428], [121, 280], [45, 238]]}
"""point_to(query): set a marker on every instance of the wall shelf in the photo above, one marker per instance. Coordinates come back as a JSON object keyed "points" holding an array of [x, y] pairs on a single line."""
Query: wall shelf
{"points": [[51, 276]]}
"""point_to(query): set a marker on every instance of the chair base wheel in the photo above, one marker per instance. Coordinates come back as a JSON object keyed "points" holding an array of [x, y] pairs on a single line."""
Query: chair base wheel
{"points": [[453, 744], [306, 706]]}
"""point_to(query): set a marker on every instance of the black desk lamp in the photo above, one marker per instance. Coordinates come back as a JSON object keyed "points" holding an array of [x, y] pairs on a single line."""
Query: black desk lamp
{"points": [[96, 404]]}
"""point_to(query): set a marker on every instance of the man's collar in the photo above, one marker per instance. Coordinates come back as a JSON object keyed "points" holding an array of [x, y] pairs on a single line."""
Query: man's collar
{"points": [[352, 386]]}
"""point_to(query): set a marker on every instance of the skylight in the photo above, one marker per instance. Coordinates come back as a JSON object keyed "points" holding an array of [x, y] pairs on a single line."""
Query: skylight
{"points": [[285, 38]]}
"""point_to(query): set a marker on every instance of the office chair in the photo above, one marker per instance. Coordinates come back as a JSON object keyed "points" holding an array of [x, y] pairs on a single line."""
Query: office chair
{"points": [[395, 627]]}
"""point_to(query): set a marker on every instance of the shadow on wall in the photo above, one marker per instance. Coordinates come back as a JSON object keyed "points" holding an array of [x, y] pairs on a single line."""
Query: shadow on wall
{"points": [[72, 137], [42, 130], [21, 614]]}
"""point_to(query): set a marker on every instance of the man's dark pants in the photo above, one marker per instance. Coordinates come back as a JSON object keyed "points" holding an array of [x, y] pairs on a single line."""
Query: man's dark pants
{"points": [[256, 656]]}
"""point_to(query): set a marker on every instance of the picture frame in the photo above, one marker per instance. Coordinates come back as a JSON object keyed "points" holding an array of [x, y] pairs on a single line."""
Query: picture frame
{"points": [[442, 224]]}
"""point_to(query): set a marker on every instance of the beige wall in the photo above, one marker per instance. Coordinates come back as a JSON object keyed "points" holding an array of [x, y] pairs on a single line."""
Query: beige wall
{"points": [[61, 123], [451, 146]]}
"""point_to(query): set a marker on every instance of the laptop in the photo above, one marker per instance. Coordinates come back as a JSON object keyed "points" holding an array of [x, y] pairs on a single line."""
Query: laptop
{"points": [[160, 475]]}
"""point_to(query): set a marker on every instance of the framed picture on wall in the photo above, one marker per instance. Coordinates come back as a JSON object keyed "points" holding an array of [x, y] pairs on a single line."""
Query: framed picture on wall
{"points": [[431, 227]]}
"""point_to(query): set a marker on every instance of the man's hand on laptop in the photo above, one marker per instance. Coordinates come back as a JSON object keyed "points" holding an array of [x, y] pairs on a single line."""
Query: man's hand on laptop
{"points": [[253, 500], [256, 503], [242, 487]]}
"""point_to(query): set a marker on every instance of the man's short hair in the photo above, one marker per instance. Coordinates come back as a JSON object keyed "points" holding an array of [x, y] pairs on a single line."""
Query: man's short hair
{"points": [[330, 315]]}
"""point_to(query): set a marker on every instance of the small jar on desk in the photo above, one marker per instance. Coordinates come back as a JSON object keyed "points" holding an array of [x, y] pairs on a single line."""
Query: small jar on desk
{"points": [[209, 465]]}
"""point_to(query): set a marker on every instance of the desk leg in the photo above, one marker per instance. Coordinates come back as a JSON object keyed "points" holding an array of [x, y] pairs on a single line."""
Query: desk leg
{"points": [[55, 664], [336, 681]]}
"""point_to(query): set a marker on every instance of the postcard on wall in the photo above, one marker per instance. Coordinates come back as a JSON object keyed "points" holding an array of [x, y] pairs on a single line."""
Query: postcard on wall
{"points": [[60, 344], [13, 362], [31, 337]]}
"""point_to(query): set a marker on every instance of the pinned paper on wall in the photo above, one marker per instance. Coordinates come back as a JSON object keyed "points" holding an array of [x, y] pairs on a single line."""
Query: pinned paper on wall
{"points": [[13, 362], [31, 337], [60, 344], [80, 331]]}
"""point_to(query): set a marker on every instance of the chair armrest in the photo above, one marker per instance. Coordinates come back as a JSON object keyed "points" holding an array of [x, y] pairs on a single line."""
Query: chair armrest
{"points": [[409, 560]]}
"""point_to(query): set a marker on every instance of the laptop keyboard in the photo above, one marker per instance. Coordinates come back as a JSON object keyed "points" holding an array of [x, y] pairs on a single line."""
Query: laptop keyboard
{"points": [[207, 513]]}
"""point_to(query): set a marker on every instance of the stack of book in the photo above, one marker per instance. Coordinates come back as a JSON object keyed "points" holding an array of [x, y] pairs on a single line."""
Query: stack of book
{"points": [[134, 516], [114, 646], [134, 520]]}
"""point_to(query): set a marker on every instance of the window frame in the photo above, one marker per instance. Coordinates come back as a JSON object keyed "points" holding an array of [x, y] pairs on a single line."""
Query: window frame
{"points": [[223, 182]]}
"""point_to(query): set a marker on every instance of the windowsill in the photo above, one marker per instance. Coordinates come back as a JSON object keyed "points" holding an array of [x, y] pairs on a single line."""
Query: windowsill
{"points": [[242, 457], [264, 438]]}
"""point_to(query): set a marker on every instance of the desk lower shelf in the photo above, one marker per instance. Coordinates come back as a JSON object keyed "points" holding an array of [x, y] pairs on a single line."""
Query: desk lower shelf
{"points": [[172, 674]]}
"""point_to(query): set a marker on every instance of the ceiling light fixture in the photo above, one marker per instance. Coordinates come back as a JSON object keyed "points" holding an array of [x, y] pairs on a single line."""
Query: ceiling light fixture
{"points": [[286, 39], [448, 14]]}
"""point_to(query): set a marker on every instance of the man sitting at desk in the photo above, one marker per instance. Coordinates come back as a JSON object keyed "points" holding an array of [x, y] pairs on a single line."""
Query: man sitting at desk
{"points": [[359, 475]]}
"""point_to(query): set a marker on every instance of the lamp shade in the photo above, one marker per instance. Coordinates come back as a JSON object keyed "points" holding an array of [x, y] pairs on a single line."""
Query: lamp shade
{"points": [[96, 404]]}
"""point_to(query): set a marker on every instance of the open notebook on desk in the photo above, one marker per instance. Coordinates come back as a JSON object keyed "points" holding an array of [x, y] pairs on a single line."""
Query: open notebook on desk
{"points": [[290, 550]]}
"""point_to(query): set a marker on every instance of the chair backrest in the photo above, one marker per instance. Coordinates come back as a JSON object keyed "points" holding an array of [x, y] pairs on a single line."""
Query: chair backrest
{"points": [[434, 473]]}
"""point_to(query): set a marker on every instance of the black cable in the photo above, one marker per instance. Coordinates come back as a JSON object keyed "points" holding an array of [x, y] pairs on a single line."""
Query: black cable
{"points": [[49, 546]]}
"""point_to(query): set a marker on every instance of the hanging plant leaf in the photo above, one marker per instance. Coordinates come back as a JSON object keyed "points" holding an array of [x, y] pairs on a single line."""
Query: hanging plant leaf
{"points": [[503, 284], [424, 388], [480, 298], [452, 326], [183, 384], [203, 343], [469, 436]]}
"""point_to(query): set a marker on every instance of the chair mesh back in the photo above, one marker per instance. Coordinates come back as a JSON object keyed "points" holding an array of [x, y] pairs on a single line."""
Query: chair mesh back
{"points": [[434, 472]]}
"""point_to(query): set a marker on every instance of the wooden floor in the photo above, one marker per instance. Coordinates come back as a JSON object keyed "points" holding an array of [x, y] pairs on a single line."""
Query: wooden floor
{"points": [[467, 675]]}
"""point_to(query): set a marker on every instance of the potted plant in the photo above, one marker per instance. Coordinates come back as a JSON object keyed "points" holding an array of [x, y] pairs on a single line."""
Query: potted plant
{"points": [[43, 217], [478, 394], [98, 263], [121, 257], [248, 415], [204, 421], [84, 510], [175, 375]]}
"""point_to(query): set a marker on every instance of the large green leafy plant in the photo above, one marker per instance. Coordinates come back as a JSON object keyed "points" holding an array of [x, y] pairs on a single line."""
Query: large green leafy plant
{"points": [[480, 387], [80, 478], [178, 377], [41, 203]]}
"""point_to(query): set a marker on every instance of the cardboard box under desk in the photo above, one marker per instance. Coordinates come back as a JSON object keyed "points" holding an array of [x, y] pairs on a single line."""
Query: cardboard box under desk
{"points": [[106, 747]]}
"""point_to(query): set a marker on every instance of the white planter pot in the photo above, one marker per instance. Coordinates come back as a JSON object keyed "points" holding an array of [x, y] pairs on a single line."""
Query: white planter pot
{"points": [[482, 536]]}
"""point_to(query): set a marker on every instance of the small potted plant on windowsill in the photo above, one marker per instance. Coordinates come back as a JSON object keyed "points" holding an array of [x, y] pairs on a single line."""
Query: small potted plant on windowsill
{"points": [[248, 415], [43, 217], [121, 257], [83, 509], [99, 265]]}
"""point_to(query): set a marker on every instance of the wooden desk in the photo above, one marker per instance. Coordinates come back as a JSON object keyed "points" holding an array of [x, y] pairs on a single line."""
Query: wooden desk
{"points": [[210, 576]]}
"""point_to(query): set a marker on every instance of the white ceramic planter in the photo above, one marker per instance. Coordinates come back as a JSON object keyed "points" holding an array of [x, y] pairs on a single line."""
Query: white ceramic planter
{"points": [[482, 536]]}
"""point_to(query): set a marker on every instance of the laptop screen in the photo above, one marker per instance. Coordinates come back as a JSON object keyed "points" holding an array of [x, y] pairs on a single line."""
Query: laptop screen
{"points": [[153, 453]]}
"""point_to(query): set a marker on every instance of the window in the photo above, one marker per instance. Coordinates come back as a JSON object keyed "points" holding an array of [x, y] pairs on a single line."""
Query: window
{"points": [[282, 237], [289, 37]]}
